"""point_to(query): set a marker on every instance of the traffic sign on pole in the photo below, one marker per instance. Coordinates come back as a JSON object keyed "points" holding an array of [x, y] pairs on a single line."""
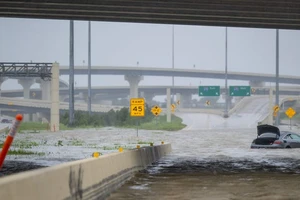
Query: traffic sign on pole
{"points": [[156, 110], [290, 112], [209, 90], [276, 108], [239, 90], [137, 107]]}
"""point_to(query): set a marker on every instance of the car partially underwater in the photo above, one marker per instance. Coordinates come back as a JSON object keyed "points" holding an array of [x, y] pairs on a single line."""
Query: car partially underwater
{"points": [[269, 136]]}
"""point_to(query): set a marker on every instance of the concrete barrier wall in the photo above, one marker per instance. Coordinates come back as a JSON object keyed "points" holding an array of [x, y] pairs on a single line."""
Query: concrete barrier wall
{"points": [[93, 178]]}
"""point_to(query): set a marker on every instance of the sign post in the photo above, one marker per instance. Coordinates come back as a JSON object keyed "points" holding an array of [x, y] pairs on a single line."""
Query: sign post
{"points": [[240, 90], [290, 112], [137, 109], [209, 90], [156, 110]]}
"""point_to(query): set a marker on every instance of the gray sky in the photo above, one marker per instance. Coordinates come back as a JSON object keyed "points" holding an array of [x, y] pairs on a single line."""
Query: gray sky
{"points": [[125, 44]]}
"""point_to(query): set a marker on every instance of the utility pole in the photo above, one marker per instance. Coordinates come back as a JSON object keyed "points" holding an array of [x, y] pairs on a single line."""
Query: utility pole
{"points": [[226, 76], [89, 71], [277, 75], [71, 75], [173, 46]]}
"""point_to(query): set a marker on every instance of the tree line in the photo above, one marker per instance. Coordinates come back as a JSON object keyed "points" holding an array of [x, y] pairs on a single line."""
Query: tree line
{"points": [[111, 118]]}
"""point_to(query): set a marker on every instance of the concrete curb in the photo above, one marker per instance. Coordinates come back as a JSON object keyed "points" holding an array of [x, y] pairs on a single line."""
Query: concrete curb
{"points": [[93, 178]]}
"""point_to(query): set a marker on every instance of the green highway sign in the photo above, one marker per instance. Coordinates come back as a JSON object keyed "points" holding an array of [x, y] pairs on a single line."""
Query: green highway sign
{"points": [[209, 90], [239, 90]]}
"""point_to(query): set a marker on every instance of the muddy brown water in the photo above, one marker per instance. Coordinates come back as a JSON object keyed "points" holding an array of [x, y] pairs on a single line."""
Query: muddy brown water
{"points": [[214, 186]]}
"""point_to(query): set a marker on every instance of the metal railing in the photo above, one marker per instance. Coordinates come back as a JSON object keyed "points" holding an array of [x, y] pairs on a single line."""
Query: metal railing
{"points": [[41, 70]]}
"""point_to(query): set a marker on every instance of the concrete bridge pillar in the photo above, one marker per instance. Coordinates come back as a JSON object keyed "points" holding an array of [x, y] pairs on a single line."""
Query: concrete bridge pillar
{"points": [[45, 89], [134, 84], [148, 98], [26, 83], [54, 113], [2, 79], [186, 100], [35, 117], [63, 98], [256, 83]]}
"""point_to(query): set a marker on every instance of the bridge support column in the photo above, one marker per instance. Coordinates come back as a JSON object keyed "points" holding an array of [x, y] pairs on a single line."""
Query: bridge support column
{"points": [[63, 98], [186, 100], [148, 98], [35, 117], [134, 84], [256, 83], [2, 79], [26, 84], [45, 89], [54, 113]]}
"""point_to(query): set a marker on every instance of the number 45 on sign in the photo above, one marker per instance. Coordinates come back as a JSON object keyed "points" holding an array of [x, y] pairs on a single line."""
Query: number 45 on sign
{"points": [[137, 107]]}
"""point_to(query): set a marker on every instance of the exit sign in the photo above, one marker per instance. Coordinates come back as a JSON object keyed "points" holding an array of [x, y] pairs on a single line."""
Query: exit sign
{"points": [[239, 90], [209, 90]]}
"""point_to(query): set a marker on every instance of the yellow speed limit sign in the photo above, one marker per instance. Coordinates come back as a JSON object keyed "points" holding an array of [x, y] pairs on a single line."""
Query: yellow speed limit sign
{"points": [[137, 107]]}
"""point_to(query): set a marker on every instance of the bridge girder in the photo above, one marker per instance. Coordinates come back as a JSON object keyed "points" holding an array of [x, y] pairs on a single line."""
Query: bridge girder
{"points": [[245, 13]]}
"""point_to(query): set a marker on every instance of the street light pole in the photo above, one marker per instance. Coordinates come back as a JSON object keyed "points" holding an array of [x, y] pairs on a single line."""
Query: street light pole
{"points": [[226, 87], [173, 46], [277, 75], [89, 70], [71, 75]]}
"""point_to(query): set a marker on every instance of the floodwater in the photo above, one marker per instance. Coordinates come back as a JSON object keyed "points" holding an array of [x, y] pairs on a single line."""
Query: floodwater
{"points": [[211, 158]]}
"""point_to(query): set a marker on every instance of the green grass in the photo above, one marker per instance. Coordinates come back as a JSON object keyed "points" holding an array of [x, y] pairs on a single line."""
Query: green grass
{"points": [[143, 142], [23, 144], [76, 142], [162, 124], [283, 116], [114, 147], [36, 127], [24, 152]]}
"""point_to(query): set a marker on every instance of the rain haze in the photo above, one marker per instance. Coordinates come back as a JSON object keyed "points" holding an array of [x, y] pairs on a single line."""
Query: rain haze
{"points": [[211, 156], [147, 45]]}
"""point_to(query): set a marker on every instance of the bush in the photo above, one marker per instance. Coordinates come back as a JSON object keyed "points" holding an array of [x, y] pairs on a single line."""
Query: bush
{"points": [[111, 118]]}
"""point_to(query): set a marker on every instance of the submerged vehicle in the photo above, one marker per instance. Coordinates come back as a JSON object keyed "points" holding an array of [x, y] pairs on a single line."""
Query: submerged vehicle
{"points": [[269, 136]]}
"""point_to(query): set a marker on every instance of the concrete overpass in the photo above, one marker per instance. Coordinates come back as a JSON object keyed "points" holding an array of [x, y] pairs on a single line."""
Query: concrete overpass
{"points": [[169, 72], [13, 105], [123, 91], [245, 13]]}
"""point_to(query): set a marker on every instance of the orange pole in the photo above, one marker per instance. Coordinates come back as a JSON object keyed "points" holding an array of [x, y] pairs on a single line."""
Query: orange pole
{"points": [[10, 138]]}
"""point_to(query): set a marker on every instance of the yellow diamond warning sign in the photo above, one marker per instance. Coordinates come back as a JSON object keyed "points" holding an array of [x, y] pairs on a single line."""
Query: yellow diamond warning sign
{"points": [[290, 112], [156, 110]]}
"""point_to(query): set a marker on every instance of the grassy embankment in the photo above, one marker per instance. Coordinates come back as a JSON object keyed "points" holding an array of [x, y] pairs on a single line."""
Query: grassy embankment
{"points": [[20, 148], [160, 123], [296, 117], [38, 126]]}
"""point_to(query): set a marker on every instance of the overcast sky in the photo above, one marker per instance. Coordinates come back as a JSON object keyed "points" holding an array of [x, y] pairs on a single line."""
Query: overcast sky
{"points": [[125, 44]]}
